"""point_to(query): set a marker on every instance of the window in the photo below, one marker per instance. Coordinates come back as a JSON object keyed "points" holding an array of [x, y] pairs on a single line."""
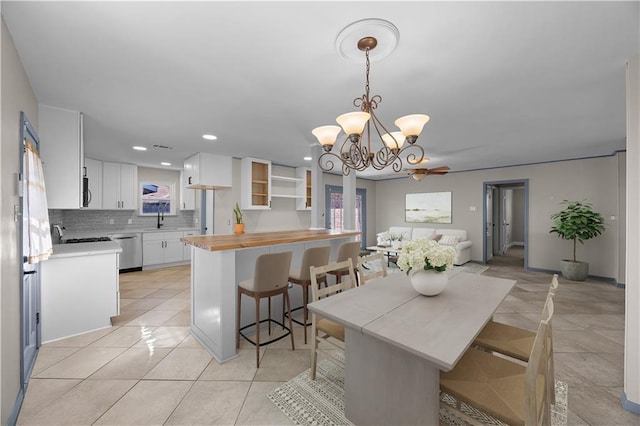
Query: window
{"points": [[157, 198], [334, 210]]}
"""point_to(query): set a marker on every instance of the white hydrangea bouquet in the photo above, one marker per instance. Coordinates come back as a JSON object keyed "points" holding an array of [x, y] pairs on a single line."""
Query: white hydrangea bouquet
{"points": [[425, 254]]}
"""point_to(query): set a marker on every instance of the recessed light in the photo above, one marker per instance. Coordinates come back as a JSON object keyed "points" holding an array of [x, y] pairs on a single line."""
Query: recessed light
{"points": [[307, 158], [140, 148], [164, 163], [209, 137]]}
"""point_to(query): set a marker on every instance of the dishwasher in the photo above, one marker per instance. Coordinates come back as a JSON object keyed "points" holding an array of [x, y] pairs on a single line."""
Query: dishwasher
{"points": [[131, 256]]}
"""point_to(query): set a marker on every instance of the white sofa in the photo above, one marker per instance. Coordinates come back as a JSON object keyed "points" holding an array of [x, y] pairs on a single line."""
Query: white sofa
{"points": [[457, 238]]}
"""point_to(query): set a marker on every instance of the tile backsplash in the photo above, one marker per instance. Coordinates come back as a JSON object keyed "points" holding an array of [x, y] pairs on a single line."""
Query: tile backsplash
{"points": [[87, 220]]}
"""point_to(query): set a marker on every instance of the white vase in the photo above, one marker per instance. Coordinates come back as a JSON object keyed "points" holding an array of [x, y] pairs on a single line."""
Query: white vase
{"points": [[396, 244], [429, 283]]}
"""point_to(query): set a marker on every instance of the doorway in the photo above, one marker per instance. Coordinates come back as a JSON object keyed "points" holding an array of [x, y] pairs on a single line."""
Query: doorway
{"points": [[335, 211], [506, 221], [29, 273]]}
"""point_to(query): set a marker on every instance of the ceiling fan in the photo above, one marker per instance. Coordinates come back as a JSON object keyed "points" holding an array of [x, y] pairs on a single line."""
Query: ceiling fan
{"points": [[420, 172]]}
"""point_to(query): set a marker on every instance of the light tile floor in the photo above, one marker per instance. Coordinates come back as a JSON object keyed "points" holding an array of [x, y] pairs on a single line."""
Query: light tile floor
{"points": [[147, 369]]}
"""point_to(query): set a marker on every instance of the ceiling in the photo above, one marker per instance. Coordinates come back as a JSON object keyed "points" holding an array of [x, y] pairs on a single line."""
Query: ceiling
{"points": [[504, 82]]}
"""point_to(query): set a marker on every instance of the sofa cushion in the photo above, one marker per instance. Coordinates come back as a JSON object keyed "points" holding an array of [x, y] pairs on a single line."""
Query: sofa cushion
{"points": [[423, 233], [405, 231], [449, 240], [460, 233]]}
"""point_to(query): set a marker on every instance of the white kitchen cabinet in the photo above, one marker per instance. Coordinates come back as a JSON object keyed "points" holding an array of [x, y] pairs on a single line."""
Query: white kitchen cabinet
{"points": [[82, 300], [162, 247], [187, 195], [186, 249], [303, 188], [208, 171], [255, 184], [120, 186], [93, 170], [61, 151]]}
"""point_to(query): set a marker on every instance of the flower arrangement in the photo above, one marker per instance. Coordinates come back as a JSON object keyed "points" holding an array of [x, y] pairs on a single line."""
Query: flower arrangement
{"points": [[425, 254]]}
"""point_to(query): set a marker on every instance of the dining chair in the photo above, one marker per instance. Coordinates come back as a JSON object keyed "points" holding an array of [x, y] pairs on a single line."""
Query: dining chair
{"points": [[370, 267], [507, 391], [516, 342], [313, 256], [349, 250], [323, 329], [269, 279]]}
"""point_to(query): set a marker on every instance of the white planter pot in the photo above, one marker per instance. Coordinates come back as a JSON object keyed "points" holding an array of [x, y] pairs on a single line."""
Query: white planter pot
{"points": [[429, 283], [396, 244]]}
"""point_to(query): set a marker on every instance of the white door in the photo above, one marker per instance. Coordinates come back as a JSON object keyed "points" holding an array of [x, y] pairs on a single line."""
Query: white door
{"points": [[489, 224], [30, 297], [506, 213]]}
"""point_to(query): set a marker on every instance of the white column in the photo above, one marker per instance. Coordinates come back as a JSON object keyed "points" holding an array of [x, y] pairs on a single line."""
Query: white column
{"points": [[631, 394], [349, 200], [317, 189]]}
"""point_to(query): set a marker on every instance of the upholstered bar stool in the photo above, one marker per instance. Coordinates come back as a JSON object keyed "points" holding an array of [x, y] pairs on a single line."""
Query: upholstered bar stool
{"points": [[269, 279], [314, 256], [346, 251]]}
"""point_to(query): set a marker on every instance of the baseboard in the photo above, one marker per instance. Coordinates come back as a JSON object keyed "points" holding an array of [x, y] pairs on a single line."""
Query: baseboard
{"points": [[15, 411], [514, 244], [634, 407], [612, 281]]}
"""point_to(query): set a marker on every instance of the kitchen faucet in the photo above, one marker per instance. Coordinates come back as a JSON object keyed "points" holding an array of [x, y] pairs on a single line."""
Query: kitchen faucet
{"points": [[59, 229], [160, 207]]}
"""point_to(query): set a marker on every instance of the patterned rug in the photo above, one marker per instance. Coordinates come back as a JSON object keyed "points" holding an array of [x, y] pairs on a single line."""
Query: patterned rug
{"points": [[321, 401]]}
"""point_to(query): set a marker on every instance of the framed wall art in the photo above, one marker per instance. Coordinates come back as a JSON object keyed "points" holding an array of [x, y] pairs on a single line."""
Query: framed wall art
{"points": [[428, 207]]}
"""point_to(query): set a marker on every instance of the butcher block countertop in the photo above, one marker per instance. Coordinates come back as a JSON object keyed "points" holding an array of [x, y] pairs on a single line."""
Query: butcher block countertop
{"points": [[233, 241]]}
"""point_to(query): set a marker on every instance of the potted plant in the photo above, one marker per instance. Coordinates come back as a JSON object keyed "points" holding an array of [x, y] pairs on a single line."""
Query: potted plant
{"points": [[577, 222], [238, 228]]}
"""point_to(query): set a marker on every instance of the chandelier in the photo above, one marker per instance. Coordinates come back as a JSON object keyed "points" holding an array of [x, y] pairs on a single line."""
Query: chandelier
{"points": [[355, 151]]}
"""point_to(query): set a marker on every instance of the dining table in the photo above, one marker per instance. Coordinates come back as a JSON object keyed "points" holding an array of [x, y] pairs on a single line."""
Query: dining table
{"points": [[397, 341]]}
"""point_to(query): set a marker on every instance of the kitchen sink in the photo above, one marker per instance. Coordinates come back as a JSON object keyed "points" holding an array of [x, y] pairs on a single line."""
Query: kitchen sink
{"points": [[161, 229]]}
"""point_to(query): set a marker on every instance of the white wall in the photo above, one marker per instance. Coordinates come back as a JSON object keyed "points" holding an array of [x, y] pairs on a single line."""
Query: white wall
{"points": [[517, 221], [595, 180], [17, 96], [631, 396]]}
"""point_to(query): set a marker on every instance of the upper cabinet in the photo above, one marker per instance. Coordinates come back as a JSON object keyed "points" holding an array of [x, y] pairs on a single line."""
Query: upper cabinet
{"points": [[255, 184], [61, 151], [119, 189], [208, 171], [303, 188], [93, 172], [187, 195]]}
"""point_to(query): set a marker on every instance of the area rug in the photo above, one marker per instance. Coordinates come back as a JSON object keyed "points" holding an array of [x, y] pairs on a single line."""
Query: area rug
{"points": [[471, 268], [321, 401]]}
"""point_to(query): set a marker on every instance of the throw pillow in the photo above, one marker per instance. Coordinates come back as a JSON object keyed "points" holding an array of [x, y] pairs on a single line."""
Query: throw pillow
{"points": [[449, 240]]}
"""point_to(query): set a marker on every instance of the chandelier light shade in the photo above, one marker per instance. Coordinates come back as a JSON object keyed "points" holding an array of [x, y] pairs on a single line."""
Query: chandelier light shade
{"points": [[355, 152]]}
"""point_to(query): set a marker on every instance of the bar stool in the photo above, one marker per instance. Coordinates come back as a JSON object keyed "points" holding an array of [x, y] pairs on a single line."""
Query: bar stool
{"points": [[314, 256], [269, 279], [346, 251]]}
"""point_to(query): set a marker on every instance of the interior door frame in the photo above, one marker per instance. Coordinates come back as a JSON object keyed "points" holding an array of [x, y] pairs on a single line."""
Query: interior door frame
{"points": [[485, 187], [362, 192], [26, 132]]}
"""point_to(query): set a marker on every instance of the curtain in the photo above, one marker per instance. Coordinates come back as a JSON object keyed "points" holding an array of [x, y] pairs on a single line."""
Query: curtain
{"points": [[36, 236]]}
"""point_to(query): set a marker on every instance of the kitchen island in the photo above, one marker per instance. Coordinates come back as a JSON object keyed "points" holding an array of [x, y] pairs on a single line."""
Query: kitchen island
{"points": [[219, 262], [80, 289]]}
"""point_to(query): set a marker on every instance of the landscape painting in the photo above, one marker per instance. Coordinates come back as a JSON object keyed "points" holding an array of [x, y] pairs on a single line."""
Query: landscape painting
{"points": [[428, 207]]}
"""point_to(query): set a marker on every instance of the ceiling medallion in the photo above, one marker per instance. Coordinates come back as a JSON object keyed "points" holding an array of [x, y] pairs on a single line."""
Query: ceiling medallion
{"points": [[355, 151]]}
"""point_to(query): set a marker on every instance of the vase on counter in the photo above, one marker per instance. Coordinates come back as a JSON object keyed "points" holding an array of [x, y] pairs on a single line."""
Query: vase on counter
{"points": [[238, 228], [429, 282]]}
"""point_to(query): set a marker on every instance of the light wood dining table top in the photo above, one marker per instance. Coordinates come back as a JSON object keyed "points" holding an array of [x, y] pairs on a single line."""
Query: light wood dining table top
{"points": [[438, 328]]}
